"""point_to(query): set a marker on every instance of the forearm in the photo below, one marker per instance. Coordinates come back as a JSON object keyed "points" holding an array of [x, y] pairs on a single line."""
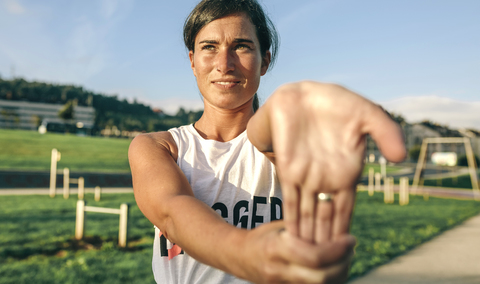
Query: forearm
{"points": [[203, 234]]}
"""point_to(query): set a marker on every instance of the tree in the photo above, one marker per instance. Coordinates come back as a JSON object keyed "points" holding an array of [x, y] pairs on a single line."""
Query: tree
{"points": [[414, 152], [67, 112], [462, 161]]}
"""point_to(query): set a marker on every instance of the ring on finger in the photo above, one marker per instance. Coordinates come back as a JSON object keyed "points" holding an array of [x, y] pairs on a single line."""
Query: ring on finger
{"points": [[327, 197]]}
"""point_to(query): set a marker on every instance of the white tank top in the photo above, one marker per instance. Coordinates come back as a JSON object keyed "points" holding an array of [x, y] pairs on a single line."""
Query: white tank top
{"points": [[233, 178]]}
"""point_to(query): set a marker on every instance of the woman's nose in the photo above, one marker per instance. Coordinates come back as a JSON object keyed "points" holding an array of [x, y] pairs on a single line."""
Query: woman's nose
{"points": [[225, 61]]}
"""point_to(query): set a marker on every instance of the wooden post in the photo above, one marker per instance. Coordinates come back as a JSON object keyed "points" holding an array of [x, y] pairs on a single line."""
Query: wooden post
{"points": [[472, 168], [378, 181], [383, 166], [404, 194], [81, 187], [53, 171], [388, 195], [122, 231], [420, 164], [386, 190], [98, 193], [66, 183], [371, 173], [80, 220]]}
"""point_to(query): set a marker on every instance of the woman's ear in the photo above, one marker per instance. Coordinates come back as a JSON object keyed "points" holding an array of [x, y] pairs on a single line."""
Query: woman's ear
{"points": [[191, 56], [266, 62]]}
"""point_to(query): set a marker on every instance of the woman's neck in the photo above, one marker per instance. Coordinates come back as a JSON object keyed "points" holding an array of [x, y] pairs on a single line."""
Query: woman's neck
{"points": [[223, 124]]}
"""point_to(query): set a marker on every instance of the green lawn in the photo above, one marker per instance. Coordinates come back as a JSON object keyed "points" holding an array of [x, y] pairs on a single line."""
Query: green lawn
{"points": [[37, 246], [463, 181], [377, 168], [29, 150]]}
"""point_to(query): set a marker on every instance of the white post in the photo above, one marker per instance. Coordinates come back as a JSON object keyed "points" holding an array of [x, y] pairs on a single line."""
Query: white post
{"points": [[122, 232], [371, 173], [383, 166], [81, 187], [378, 181], [388, 195], [404, 194], [80, 220], [53, 171], [98, 193], [66, 183], [392, 191]]}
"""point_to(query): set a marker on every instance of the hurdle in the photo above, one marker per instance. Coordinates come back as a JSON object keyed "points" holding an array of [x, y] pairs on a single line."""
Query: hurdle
{"points": [[67, 181], [123, 226]]}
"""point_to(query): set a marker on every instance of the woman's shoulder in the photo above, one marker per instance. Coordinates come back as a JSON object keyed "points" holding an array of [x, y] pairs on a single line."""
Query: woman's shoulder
{"points": [[155, 141]]}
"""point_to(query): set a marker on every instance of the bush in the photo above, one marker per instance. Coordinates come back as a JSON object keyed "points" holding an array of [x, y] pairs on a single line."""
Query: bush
{"points": [[462, 161], [414, 152]]}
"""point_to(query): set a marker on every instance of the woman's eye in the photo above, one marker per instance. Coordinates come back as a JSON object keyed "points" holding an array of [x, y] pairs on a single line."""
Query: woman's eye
{"points": [[242, 47], [208, 47]]}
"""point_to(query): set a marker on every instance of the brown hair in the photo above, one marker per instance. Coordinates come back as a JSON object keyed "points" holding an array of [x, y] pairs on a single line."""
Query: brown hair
{"points": [[209, 10]]}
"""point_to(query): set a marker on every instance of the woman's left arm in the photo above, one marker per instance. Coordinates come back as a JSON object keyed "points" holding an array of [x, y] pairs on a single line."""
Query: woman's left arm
{"points": [[317, 132]]}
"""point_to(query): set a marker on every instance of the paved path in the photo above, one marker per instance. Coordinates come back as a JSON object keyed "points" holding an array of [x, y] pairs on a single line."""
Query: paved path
{"points": [[452, 257]]}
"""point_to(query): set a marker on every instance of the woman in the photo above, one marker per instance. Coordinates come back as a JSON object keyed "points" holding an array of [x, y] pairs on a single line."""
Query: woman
{"points": [[179, 176]]}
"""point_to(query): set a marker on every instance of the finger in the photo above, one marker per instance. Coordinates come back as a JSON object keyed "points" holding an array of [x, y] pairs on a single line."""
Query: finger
{"points": [[336, 273], [291, 208], [307, 214], [323, 221], [309, 202], [386, 133], [342, 208], [295, 250]]}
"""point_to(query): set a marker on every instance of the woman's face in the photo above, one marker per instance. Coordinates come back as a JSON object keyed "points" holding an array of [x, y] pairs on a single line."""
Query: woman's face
{"points": [[227, 62]]}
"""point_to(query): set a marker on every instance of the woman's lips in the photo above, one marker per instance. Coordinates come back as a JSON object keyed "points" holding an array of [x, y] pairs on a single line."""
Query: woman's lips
{"points": [[226, 84]]}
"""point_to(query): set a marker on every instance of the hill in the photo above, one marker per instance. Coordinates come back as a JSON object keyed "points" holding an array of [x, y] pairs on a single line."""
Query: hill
{"points": [[110, 110]]}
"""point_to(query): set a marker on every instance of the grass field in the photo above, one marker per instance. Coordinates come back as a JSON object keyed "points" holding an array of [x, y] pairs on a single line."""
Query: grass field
{"points": [[30, 150], [463, 181], [37, 246], [377, 169]]}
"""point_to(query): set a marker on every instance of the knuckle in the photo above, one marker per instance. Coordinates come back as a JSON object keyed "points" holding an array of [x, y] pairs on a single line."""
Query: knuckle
{"points": [[270, 273], [289, 203], [269, 250], [342, 209], [317, 261], [306, 214]]}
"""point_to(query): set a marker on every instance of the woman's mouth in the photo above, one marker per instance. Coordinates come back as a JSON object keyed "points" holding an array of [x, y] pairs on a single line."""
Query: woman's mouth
{"points": [[226, 84]]}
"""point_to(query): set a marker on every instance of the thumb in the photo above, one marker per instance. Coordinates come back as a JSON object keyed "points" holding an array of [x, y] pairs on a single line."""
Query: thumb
{"points": [[386, 133]]}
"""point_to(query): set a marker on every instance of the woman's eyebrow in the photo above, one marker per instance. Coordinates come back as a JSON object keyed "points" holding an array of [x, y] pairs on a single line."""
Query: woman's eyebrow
{"points": [[237, 40], [208, 41]]}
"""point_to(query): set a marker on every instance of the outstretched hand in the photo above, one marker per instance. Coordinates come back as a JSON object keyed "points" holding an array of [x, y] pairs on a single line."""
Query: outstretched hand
{"points": [[317, 132], [275, 256]]}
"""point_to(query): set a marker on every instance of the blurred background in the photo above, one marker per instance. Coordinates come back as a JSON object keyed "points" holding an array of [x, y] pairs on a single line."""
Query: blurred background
{"points": [[85, 77]]}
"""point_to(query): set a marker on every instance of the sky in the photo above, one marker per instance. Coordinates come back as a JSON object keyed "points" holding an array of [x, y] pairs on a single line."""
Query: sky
{"points": [[420, 59]]}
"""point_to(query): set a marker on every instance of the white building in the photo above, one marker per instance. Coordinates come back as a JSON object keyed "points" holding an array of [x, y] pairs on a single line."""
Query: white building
{"points": [[28, 115]]}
